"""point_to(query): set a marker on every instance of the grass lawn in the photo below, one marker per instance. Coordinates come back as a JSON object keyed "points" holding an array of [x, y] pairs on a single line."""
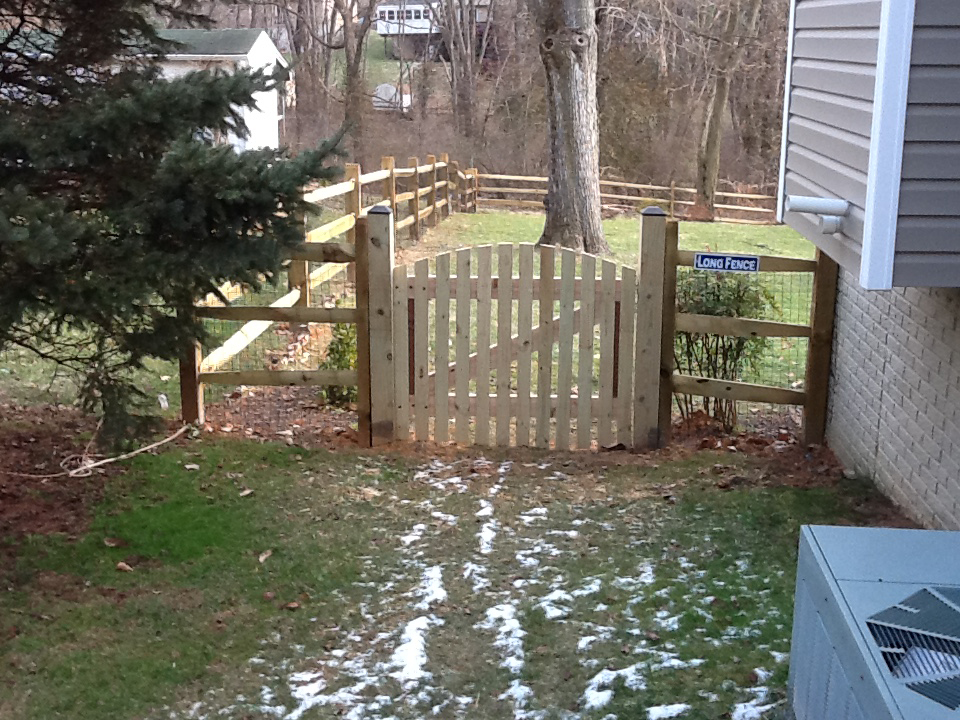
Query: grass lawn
{"points": [[524, 586], [622, 234]]}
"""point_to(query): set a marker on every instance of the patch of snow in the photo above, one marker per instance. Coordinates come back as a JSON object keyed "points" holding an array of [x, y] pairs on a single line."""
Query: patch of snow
{"points": [[585, 642], [590, 587], [780, 657], [663, 712], [599, 692], [431, 588], [416, 532], [750, 710], [762, 674], [549, 604], [486, 536], [509, 640], [528, 517], [667, 622], [479, 575], [444, 517], [409, 660], [564, 533], [486, 509], [601, 607]]}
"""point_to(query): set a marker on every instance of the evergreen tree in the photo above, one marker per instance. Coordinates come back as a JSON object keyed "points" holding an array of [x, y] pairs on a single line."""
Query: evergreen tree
{"points": [[117, 212]]}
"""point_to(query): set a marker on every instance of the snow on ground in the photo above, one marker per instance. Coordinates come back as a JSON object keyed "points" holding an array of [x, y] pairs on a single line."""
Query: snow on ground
{"points": [[390, 672]]}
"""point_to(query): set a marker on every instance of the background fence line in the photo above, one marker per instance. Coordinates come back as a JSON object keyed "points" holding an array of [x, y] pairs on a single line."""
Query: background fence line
{"points": [[743, 208]]}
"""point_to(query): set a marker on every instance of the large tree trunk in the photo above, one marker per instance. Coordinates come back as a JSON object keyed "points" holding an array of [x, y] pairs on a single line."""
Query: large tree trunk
{"points": [[741, 23], [568, 49]]}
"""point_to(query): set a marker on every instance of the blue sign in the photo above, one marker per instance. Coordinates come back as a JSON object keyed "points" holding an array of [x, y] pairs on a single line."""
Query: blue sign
{"points": [[726, 263]]}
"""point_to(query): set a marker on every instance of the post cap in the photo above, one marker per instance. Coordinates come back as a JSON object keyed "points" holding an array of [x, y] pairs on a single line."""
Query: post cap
{"points": [[653, 210], [379, 210]]}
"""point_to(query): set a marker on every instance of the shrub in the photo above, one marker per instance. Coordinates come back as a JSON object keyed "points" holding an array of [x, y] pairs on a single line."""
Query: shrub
{"points": [[717, 356], [341, 355]]}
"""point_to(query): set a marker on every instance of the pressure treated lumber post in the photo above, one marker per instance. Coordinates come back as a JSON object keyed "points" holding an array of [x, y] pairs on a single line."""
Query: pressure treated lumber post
{"points": [[390, 182], [191, 390], [433, 218], [413, 185], [475, 188], [455, 197], [673, 199], [376, 404], [445, 179], [650, 271], [668, 332], [352, 202], [817, 381]]}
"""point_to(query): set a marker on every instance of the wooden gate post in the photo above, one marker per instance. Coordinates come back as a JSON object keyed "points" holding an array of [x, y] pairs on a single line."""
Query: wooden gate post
{"points": [[413, 185], [817, 380], [434, 218], [455, 196], [668, 331], [650, 271], [376, 403], [390, 182], [191, 389], [352, 203], [445, 190]]}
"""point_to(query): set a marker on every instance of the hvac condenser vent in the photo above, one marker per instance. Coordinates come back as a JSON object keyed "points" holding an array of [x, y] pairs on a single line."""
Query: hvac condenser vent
{"points": [[919, 639]]}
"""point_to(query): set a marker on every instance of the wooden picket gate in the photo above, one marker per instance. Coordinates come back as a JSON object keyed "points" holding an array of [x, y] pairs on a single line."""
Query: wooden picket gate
{"points": [[540, 352]]}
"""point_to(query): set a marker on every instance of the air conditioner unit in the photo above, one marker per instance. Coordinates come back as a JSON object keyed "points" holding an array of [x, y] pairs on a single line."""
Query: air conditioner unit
{"points": [[876, 627]]}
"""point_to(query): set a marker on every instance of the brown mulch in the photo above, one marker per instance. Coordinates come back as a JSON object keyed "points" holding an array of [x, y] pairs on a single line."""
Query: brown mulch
{"points": [[291, 414], [34, 441]]}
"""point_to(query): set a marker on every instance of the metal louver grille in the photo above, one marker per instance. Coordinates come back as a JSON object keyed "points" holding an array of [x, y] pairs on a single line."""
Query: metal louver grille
{"points": [[919, 639]]}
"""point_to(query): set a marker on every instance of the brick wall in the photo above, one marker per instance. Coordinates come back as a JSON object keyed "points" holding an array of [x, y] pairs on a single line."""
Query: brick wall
{"points": [[895, 395]]}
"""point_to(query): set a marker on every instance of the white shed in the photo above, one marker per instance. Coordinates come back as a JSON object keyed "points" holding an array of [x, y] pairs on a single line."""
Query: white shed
{"points": [[230, 49]]}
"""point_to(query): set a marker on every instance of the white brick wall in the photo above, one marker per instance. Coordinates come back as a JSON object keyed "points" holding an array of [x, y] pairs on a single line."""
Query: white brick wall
{"points": [[895, 395]]}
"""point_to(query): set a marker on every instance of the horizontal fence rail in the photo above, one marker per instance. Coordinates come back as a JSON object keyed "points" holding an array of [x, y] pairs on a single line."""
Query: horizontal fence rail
{"points": [[528, 191]]}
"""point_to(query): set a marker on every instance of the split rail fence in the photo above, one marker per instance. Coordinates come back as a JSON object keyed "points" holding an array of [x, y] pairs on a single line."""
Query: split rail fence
{"points": [[553, 349], [526, 191], [419, 194]]}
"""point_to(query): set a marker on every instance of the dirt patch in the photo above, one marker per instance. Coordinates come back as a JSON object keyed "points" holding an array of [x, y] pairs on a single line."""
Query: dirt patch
{"points": [[37, 442], [291, 414]]}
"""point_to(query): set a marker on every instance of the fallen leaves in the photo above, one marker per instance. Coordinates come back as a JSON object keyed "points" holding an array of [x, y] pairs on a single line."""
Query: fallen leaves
{"points": [[264, 555], [246, 492], [191, 466], [123, 567], [112, 542]]}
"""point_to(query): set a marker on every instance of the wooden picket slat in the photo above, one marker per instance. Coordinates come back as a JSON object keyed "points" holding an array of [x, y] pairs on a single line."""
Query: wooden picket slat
{"points": [[462, 380], [588, 271], [607, 329], [421, 336], [442, 352], [504, 334], [545, 348], [628, 309], [484, 310], [401, 355], [568, 273], [524, 331]]}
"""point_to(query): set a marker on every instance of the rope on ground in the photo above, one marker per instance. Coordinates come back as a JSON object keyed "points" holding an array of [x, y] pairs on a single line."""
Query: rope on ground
{"points": [[86, 467]]}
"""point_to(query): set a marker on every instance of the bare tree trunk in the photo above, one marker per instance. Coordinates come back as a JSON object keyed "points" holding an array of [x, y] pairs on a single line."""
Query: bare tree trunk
{"points": [[568, 49], [741, 23]]}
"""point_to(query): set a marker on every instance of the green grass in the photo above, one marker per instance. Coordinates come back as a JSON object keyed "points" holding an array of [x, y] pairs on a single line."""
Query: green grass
{"points": [[623, 235], [198, 626]]}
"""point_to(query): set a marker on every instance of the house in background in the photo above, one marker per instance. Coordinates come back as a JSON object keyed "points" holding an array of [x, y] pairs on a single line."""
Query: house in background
{"points": [[870, 173], [228, 50]]}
